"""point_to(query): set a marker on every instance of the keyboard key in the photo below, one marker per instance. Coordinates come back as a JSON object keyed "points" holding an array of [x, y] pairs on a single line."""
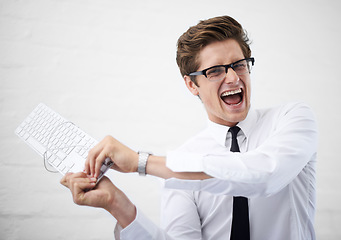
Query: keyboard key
{"points": [[56, 162], [36, 145], [61, 155]]}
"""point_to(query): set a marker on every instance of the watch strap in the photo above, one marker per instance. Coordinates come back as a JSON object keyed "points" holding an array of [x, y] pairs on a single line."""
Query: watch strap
{"points": [[142, 163]]}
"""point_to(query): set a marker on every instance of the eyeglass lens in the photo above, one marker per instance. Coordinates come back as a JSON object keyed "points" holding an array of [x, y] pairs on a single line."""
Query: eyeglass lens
{"points": [[219, 73]]}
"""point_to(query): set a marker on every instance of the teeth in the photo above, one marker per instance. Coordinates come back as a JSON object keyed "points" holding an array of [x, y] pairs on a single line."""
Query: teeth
{"points": [[228, 93]]}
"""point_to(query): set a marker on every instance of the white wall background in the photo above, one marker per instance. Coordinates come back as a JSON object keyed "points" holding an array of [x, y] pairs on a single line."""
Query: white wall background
{"points": [[109, 66]]}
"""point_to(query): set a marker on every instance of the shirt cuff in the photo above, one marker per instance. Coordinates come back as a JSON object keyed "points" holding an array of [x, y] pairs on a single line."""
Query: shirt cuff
{"points": [[179, 161], [140, 228]]}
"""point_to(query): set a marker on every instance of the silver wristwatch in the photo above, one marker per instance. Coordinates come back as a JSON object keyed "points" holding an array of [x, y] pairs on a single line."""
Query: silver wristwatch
{"points": [[141, 167]]}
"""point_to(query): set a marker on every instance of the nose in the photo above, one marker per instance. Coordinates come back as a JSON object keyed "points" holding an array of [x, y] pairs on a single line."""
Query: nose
{"points": [[231, 76]]}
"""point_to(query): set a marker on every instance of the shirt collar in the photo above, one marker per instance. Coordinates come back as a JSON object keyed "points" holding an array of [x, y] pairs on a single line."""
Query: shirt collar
{"points": [[219, 131]]}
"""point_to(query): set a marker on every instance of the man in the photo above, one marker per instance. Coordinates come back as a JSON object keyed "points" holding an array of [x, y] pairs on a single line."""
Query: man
{"points": [[261, 162]]}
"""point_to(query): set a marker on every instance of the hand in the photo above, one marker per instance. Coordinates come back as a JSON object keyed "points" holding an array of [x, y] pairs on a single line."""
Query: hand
{"points": [[80, 185], [103, 195], [125, 159]]}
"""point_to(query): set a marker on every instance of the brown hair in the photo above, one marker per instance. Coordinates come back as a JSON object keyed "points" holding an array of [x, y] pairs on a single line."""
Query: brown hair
{"points": [[205, 32]]}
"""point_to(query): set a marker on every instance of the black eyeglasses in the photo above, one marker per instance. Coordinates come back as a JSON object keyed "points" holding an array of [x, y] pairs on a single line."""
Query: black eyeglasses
{"points": [[218, 73]]}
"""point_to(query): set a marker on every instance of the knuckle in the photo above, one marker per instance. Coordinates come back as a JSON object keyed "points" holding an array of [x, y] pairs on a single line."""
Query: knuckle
{"points": [[98, 160], [66, 179], [111, 146], [71, 182], [77, 201], [108, 138], [63, 182], [91, 152]]}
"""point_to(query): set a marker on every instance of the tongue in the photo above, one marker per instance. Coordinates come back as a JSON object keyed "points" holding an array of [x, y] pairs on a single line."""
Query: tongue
{"points": [[232, 99]]}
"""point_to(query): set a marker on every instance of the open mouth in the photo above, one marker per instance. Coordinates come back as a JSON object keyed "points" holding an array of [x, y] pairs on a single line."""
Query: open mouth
{"points": [[233, 97]]}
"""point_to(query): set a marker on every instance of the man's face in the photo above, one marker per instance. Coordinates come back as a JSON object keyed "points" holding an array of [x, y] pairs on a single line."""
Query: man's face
{"points": [[227, 102]]}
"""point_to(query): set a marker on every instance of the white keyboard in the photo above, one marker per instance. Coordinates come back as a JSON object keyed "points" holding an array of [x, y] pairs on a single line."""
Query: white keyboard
{"points": [[62, 144]]}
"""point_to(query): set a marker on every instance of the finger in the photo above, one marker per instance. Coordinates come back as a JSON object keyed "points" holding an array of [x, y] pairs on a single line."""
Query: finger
{"points": [[63, 181], [91, 159], [99, 162], [67, 178], [87, 166], [88, 161], [79, 187]]}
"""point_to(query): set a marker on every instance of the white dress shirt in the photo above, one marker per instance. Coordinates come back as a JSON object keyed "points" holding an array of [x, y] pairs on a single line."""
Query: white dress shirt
{"points": [[275, 170]]}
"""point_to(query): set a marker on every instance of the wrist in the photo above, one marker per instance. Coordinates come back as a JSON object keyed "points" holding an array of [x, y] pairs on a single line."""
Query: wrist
{"points": [[122, 209], [142, 162], [157, 167]]}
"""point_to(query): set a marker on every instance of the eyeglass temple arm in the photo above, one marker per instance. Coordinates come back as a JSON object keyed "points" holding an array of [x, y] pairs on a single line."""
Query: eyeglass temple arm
{"points": [[196, 73]]}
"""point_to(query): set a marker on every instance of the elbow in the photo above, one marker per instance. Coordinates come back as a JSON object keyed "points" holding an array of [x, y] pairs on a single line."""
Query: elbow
{"points": [[269, 184], [264, 183], [266, 189]]}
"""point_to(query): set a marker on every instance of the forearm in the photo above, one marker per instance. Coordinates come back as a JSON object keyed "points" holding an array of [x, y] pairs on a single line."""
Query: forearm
{"points": [[156, 166], [126, 160], [122, 209]]}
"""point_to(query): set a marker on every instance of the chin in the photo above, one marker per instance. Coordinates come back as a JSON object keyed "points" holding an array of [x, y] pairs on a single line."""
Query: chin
{"points": [[236, 117]]}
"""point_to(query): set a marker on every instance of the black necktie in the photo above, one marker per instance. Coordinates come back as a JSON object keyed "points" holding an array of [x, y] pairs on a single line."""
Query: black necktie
{"points": [[240, 217]]}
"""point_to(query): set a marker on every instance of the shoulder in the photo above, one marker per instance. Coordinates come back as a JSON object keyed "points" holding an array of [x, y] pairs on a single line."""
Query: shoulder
{"points": [[291, 115], [289, 109]]}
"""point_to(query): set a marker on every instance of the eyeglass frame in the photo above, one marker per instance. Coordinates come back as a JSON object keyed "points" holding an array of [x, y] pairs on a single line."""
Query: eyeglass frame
{"points": [[231, 65]]}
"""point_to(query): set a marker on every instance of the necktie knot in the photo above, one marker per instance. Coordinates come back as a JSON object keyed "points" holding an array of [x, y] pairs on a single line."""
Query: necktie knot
{"points": [[234, 131], [234, 143]]}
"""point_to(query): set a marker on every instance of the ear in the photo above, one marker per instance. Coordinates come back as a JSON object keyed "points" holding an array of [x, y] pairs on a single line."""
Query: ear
{"points": [[192, 87]]}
